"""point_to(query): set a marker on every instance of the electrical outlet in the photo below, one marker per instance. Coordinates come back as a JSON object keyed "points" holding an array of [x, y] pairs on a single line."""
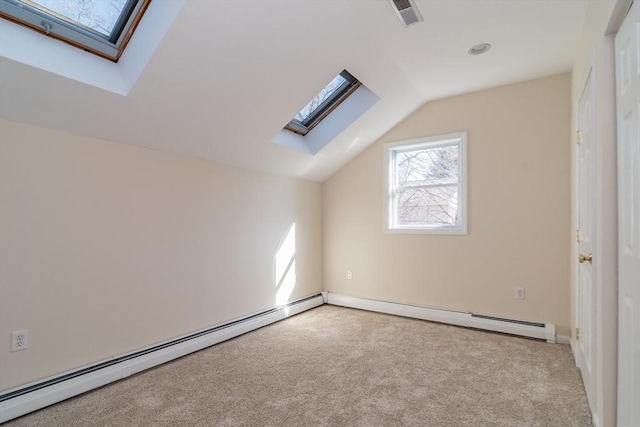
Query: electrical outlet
{"points": [[349, 275], [519, 292], [19, 340]]}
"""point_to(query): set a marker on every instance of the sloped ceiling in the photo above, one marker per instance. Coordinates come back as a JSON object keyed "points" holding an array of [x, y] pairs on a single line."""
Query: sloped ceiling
{"points": [[229, 74]]}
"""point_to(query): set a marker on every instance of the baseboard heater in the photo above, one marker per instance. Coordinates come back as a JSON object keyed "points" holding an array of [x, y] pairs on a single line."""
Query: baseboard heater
{"points": [[543, 331], [31, 397]]}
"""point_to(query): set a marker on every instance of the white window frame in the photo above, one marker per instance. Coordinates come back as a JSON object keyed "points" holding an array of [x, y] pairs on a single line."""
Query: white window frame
{"points": [[74, 33], [326, 107], [391, 149]]}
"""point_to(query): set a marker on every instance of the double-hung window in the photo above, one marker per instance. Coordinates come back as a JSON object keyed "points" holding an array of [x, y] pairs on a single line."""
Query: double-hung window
{"points": [[103, 27], [426, 185]]}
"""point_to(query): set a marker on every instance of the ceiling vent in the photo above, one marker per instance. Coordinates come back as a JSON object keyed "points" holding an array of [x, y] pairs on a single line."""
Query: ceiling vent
{"points": [[407, 11]]}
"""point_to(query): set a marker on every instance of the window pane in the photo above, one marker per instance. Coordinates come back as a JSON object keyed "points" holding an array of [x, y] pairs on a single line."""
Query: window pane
{"points": [[429, 166], [324, 94], [98, 15], [426, 185], [432, 206]]}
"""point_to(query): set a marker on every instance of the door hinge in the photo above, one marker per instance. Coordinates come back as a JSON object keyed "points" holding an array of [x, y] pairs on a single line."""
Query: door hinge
{"points": [[577, 236], [577, 334], [578, 137]]}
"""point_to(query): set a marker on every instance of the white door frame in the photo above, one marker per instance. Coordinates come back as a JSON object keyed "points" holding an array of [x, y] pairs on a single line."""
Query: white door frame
{"points": [[606, 250], [628, 163], [589, 375]]}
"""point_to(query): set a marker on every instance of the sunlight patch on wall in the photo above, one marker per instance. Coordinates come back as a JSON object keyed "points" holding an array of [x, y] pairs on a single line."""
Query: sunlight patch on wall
{"points": [[285, 267]]}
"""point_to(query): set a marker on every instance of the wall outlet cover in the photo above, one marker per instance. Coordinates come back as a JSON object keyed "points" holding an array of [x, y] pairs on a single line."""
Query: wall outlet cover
{"points": [[19, 340]]}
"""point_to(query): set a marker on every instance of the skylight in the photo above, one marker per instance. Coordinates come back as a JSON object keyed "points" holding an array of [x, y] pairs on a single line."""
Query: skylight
{"points": [[323, 103], [102, 27], [100, 17], [325, 93]]}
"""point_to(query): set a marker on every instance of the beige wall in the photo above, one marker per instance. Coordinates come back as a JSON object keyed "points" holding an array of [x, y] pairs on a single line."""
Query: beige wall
{"points": [[107, 248], [519, 210], [596, 52]]}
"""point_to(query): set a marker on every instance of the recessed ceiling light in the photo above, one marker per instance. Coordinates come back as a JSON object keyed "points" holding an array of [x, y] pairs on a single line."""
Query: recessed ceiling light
{"points": [[479, 48]]}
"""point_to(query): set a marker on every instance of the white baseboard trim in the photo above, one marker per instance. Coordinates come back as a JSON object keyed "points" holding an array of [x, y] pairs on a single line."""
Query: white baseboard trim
{"points": [[545, 331], [572, 345], [325, 296], [31, 397], [417, 312], [563, 339]]}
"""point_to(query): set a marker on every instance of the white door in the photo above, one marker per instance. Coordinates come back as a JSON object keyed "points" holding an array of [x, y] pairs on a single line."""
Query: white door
{"points": [[628, 100], [586, 212]]}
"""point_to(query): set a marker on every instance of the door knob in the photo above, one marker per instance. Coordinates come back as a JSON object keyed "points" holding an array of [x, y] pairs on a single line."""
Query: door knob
{"points": [[583, 258]]}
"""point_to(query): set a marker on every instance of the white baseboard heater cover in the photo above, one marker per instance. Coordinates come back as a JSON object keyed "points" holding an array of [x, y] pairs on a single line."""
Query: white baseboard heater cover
{"points": [[543, 331], [31, 397]]}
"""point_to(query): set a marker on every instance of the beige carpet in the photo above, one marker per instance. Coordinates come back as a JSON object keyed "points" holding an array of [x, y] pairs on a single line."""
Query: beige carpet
{"points": [[333, 366]]}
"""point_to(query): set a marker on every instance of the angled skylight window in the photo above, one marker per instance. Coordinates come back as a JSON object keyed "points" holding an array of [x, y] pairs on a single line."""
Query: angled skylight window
{"points": [[338, 89], [102, 27]]}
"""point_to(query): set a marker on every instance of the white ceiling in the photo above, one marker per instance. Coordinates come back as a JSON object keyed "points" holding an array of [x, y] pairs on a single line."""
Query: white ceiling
{"points": [[229, 74]]}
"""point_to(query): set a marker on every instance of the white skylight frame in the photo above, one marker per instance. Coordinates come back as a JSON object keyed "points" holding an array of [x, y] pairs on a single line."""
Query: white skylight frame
{"points": [[304, 121], [21, 44], [343, 116], [57, 26]]}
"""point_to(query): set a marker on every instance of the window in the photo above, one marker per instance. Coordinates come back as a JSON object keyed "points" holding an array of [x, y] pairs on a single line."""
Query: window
{"points": [[426, 185], [323, 103], [103, 27]]}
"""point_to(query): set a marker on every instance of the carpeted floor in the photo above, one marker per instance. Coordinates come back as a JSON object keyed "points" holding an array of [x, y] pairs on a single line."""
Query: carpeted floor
{"points": [[333, 366]]}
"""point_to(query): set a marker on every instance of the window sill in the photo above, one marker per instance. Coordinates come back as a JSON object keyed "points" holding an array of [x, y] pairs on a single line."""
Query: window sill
{"points": [[439, 231]]}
